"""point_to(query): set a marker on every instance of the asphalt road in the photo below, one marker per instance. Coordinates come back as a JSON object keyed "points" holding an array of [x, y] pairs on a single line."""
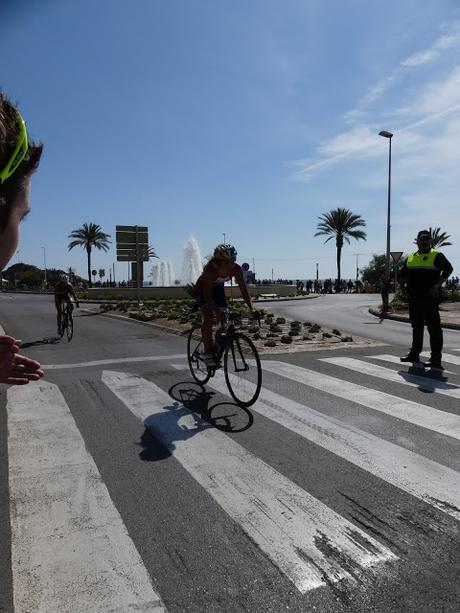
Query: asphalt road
{"points": [[350, 313], [126, 487]]}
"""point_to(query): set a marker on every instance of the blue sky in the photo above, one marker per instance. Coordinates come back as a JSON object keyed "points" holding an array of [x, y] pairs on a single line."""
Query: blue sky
{"points": [[244, 118]]}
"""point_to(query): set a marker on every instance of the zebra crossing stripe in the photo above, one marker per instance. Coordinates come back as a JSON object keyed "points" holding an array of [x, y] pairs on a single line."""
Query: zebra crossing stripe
{"points": [[286, 522], [407, 410], [386, 357], [70, 547], [402, 377], [429, 481], [446, 357]]}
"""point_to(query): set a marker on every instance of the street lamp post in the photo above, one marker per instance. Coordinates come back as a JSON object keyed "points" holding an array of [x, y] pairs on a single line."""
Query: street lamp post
{"points": [[223, 234], [44, 263], [388, 135]]}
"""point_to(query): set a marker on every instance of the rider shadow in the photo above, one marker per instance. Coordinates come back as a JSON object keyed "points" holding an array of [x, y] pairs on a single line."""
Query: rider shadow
{"points": [[48, 340], [225, 416], [166, 429]]}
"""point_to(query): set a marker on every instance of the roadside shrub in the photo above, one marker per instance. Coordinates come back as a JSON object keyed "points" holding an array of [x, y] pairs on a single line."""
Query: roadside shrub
{"points": [[346, 339], [256, 336], [307, 324], [314, 328], [286, 339], [275, 328], [270, 343], [305, 337], [253, 329], [280, 320], [293, 333], [327, 335], [336, 332], [272, 335]]}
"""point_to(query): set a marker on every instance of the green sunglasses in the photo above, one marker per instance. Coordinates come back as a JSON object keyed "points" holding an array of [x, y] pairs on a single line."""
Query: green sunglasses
{"points": [[18, 154]]}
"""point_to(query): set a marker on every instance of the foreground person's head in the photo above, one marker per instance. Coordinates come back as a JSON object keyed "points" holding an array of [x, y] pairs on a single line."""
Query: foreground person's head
{"points": [[18, 160]]}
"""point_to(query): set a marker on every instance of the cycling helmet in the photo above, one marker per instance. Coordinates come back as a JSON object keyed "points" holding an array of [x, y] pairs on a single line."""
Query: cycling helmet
{"points": [[225, 252], [63, 277]]}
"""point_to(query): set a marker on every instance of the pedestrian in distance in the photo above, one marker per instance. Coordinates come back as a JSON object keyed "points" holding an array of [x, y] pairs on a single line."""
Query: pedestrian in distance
{"points": [[18, 160], [423, 273]]}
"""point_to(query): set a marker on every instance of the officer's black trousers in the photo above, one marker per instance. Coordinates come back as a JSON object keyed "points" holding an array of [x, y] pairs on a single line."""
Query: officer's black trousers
{"points": [[421, 311]]}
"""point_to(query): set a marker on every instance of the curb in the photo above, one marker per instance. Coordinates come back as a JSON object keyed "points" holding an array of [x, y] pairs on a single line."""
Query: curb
{"points": [[405, 319], [142, 323], [184, 334]]}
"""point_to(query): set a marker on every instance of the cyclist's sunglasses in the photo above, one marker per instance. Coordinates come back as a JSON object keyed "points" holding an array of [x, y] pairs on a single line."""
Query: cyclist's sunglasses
{"points": [[18, 154]]}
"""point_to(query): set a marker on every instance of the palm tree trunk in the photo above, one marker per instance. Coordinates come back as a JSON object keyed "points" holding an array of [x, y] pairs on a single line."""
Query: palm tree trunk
{"points": [[88, 251], [339, 243]]}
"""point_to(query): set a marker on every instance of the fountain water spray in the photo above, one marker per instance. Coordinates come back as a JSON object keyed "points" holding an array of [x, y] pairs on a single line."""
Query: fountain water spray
{"points": [[192, 262]]}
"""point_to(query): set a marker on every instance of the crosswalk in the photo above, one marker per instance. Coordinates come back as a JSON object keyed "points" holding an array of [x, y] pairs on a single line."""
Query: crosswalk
{"points": [[61, 510]]}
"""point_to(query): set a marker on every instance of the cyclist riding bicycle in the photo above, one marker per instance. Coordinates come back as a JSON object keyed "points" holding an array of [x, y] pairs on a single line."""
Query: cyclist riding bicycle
{"points": [[63, 293], [210, 294]]}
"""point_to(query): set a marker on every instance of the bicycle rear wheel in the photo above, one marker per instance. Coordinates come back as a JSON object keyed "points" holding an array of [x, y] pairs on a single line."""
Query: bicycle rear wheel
{"points": [[200, 372], [243, 372], [69, 328]]}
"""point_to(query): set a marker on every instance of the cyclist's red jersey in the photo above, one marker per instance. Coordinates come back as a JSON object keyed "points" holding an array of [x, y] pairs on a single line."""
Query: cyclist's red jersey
{"points": [[212, 269]]}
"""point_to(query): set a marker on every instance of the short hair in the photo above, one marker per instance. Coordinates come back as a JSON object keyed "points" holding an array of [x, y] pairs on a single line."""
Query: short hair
{"points": [[12, 187]]}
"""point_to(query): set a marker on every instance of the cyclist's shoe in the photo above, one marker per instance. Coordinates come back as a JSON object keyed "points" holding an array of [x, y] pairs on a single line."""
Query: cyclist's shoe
{"points": [[209, 360], [410, 357]]}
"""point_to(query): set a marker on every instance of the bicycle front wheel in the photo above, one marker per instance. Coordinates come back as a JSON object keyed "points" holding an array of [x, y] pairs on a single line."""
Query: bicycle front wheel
{"points": [[243, 372], [69, 328], [195, 349]]}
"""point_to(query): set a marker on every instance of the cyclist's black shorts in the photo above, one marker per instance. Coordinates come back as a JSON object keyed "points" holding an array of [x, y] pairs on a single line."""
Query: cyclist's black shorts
{"points": [[218, 295]]}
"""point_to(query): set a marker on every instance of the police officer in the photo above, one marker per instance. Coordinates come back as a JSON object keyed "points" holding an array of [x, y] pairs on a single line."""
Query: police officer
{"points": [[423, 272]]}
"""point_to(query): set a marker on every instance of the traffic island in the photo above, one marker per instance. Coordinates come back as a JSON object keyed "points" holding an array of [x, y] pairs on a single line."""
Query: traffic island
{"points": [[270, 335]]}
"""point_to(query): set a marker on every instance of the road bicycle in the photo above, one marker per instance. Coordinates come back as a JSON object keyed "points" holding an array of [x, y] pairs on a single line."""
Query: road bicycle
{"points": [[67, 322], [241, 363]]}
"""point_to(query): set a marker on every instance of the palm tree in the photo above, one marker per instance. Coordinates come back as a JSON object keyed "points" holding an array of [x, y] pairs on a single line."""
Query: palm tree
{"points": [[88, 236], [340, 223], [438, 238]]}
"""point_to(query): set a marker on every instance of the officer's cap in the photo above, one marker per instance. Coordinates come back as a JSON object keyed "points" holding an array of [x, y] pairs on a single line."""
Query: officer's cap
{"points": [[424, 234]]}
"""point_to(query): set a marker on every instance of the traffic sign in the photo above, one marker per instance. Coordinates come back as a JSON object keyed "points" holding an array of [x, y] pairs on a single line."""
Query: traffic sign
{"points": [[131, 228], [131, 257], [245, 266], [396, 255], [130, 237]]}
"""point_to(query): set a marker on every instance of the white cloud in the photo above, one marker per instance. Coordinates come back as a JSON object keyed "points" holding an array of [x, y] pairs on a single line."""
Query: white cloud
{"points": [[437, 97], [426, 56]]}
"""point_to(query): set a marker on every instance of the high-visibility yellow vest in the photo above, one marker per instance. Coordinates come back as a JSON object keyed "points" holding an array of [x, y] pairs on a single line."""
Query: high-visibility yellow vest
{"points": [[422, 261]]}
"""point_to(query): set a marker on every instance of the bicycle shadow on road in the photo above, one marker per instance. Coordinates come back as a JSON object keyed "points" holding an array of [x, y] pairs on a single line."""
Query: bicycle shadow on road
{"points": [[190, 413], [48, 340], [172, 424], [225, 416]]}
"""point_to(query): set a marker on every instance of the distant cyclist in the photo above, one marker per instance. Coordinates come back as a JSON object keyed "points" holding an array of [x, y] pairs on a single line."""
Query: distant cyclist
{"points": [[210, 293], [63, 293]]}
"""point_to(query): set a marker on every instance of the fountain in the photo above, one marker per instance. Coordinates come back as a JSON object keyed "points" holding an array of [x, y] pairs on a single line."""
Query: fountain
{"points": [[162, 274], [192, 262]]}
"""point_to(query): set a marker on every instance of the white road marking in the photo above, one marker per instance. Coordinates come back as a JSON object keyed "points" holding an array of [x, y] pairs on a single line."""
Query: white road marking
{"points": [[147, 358], [429, 481], [407, 410], [402, 377], [70, 547], [292, 527], [446, 357], [386, 357]]}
